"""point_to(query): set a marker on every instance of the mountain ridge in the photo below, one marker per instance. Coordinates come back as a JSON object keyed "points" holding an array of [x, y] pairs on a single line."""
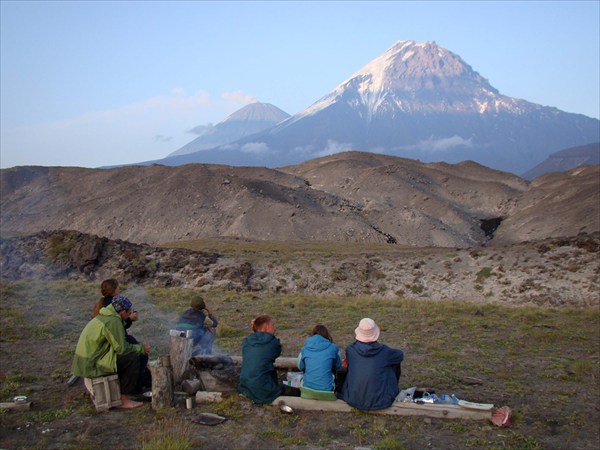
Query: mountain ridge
{"points": [[418, 101], [250, 119], [566, 159]]}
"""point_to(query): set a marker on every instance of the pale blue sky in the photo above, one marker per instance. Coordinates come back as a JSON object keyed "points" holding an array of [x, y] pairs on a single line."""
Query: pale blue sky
{"points": [[105, 83]]}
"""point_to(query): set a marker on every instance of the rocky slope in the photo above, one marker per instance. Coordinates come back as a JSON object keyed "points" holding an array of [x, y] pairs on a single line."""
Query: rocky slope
{"points": [[553, 272]]}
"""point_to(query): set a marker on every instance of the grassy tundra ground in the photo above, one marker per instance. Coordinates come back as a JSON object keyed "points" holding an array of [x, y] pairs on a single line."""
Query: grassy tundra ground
{"points": [[542, 363]]}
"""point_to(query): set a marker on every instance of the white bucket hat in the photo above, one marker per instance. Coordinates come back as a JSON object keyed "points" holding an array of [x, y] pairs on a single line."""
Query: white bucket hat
{"points": [[367, 331]]}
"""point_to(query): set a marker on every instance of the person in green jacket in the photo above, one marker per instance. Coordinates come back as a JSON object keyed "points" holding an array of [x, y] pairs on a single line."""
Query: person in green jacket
{"points": [[102, 350]]}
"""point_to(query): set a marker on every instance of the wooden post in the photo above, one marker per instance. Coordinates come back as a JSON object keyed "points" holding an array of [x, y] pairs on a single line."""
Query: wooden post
{"points": [[181, 350], [162, 385]]}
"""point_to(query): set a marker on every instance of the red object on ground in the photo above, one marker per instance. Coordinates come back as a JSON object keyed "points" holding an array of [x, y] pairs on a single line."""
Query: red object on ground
{"points": [[501, 417]]}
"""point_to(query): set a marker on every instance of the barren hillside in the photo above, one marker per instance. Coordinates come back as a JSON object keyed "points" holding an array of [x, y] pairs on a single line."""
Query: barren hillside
{"points": [[556, 204], [346, 197]]}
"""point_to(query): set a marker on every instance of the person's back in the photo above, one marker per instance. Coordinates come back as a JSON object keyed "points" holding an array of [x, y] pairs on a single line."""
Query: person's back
{"points": [[373, 370], [318, 359], [194, 319], [258, 377]]}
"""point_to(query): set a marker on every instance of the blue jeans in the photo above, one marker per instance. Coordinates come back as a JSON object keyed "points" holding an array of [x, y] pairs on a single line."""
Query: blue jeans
{"points": [[203, 342]]}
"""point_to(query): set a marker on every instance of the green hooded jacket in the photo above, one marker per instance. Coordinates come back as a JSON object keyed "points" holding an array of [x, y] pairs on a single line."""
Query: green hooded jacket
{"points": [[102, 339]]}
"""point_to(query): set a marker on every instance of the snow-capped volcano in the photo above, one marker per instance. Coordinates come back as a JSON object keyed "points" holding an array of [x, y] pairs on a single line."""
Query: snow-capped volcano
{"points": [[248, 120], [418, 77], [417, 100], [408, 71]]}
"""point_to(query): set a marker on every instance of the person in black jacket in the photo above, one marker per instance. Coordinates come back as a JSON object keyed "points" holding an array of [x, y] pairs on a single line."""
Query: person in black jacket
{"points": [[194, 319], [373, 370]]}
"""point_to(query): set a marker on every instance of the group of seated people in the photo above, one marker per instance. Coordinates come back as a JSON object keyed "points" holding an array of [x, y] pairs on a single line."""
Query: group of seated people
{"points": [[366, 379], [106, 348]]}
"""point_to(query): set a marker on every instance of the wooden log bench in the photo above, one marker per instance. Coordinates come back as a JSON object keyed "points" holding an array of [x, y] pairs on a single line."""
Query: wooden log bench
{"points": [[204, 363], [397, 409]]}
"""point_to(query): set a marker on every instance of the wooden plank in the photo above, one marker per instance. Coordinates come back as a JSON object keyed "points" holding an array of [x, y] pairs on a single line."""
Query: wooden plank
{"points": [[397, 409], [16, 406], [280, 363]]}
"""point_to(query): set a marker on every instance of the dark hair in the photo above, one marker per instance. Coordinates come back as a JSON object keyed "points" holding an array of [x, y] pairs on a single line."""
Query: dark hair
{"points": [[260, 321], [323, 331], [108, 288]]}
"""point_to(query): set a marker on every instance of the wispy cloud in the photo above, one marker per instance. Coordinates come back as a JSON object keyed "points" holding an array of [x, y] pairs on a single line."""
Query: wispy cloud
{"points": [[335, 147], [239, 97], [161, 138], [255, 147], [148, 129], [435, 145]]}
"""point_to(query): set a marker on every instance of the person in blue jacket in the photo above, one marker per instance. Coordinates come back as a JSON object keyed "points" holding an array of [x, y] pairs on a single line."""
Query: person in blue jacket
{"points": [[194, 319], [373, 370], [319, 359]]}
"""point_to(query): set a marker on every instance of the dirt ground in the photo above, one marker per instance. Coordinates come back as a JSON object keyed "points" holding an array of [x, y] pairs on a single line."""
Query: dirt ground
{"points": [[542, 363]]}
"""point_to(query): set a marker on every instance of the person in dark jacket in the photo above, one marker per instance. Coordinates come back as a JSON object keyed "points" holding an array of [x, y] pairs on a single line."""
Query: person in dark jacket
{"points": [[373, 370], [194, 319], [258, 377], [319, 359]]}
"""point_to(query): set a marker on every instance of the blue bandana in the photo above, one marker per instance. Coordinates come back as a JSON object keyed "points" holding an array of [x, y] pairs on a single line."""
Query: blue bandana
{"points": [[121, 303]]}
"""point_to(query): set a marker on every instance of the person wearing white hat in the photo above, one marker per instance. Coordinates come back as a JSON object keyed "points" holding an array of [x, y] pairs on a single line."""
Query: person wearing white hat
{"points": [[373, 370]]}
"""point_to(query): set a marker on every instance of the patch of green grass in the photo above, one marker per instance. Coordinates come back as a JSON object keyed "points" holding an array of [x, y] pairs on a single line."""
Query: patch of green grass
{"points": [[60, 374], [228, 407], [388, 443], [286, 439], [170, 434], [583, 369], [49, 415], [14, 383], [524, 442], [59, 248], [225, 331], [483, 274], [456, 426]]}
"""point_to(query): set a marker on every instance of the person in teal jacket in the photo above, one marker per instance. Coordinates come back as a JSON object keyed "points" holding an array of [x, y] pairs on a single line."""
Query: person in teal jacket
{"points": [[102, 350], [258, 377], [319, 359]]}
